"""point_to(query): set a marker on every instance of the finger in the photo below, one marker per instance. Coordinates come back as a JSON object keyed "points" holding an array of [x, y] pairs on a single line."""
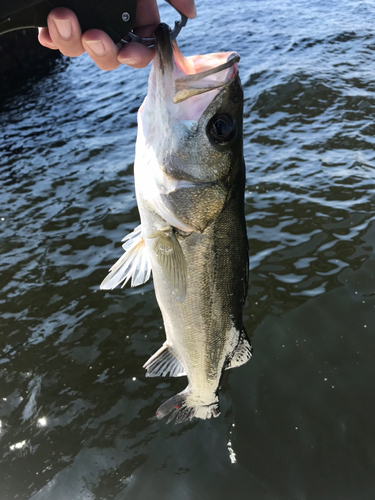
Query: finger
{"points": [[45, 39], [65, 31], [101, 49], [187, 7], [136, 55], [147, 15]]}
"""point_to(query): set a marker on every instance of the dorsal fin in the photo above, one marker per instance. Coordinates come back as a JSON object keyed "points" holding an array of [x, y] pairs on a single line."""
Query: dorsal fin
{"points": [[242, 352]]}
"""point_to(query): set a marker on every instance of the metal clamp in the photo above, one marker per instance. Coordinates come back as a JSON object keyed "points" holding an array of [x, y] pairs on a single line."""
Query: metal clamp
{"points": [[150, 42]]}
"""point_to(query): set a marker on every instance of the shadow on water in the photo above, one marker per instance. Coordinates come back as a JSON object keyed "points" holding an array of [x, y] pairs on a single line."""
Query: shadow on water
{"points": [[23, 63], [77, 413]]}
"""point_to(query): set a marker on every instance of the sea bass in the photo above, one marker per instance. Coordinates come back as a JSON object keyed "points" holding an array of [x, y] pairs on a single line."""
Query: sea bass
{"points": [[190, 179]]}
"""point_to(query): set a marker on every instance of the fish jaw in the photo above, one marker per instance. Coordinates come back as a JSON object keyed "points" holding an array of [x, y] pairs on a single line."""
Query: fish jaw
{"points": [[172, 73]]}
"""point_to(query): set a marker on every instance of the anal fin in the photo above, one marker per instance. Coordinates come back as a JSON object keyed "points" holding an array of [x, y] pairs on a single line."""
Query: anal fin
{"points": [[242, 352], [164, 362]]}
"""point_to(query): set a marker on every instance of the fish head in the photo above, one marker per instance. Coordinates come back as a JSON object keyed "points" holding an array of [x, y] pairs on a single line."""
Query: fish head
{"points": [[190, 123]]}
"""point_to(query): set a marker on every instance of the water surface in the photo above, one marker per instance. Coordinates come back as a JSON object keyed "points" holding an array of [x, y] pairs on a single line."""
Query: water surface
{"points": [[297, 421]]}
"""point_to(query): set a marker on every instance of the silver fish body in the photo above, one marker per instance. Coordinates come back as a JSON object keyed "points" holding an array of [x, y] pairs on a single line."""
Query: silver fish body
{"points": [[190, 180]]}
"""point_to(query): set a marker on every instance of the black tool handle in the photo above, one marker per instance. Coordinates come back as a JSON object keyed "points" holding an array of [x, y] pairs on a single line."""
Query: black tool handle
{"points": [[115, 17]]}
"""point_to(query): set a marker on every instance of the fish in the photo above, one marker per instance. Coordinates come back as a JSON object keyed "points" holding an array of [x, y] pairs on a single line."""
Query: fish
{"points": [[190, 181]]}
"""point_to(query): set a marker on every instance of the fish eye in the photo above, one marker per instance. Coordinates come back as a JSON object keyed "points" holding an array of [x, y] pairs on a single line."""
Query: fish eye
{"points": [[221, 129]]}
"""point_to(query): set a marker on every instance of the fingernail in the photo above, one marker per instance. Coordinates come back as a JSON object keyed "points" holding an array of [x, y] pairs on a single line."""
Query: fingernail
{"points": [[64, 28], [97, 46], [129, 61], [194, 13]]}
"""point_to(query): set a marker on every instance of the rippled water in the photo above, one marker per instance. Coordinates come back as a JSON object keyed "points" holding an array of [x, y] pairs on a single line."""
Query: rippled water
{"points": [[297, 420]]}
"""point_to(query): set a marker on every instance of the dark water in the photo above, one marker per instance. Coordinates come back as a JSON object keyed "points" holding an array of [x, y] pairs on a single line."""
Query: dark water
{"points": [[298, 421]]}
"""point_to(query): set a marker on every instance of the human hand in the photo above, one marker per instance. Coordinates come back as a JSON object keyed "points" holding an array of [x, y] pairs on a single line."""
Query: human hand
{"points": [[64, 34]]}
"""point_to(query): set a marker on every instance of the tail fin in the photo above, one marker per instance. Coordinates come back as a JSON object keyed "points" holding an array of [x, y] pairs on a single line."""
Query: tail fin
{"points": [[182, 408]]}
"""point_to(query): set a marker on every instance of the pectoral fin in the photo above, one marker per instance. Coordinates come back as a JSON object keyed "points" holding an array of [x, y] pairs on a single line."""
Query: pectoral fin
{"points": [[242, 352], [133, 264], [172, 261]]}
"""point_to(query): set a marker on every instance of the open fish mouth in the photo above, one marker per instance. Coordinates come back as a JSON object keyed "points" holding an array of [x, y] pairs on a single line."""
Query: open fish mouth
{"points": [[212, 78], [183, 78]]}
